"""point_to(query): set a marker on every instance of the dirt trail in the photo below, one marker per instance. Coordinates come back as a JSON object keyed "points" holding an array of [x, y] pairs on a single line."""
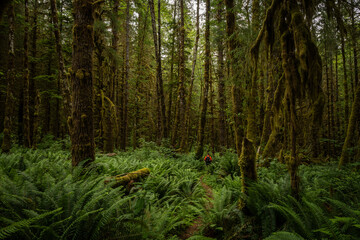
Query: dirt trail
{"points": [[191, 230]]}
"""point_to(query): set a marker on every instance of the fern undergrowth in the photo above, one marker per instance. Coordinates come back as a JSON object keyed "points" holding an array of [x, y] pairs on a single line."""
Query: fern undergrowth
{"points": [[43, 197]]}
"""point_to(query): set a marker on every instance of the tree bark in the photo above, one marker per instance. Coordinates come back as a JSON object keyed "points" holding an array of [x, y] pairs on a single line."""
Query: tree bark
{"points": [[32, 73], [27, 135], [9, 103], [201, 129], [185, 136], [161, 115], [221, 79], [346, 88], [81, 122], [355, 114], [64, 84], [236, 85]]}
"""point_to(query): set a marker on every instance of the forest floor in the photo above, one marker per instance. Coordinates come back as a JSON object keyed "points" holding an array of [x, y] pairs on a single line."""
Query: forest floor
{"points": [[43, 197], [198, 223]]}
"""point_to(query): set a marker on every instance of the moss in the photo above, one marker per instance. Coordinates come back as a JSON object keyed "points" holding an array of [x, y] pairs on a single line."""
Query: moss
{"points": [[123, 179], [247, 163], [79, 74]]}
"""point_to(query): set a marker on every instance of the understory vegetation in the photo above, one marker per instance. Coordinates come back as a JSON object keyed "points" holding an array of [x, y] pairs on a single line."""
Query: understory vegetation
{"points": [[43, 197]]}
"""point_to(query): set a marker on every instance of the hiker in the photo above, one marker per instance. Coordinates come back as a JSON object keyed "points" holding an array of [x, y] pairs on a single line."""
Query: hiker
{"points": [[207, 159]]}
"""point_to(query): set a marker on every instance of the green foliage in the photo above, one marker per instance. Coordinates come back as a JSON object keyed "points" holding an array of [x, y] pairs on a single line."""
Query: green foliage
{"points": [[43, 197], [328, 207], [284, 236]]}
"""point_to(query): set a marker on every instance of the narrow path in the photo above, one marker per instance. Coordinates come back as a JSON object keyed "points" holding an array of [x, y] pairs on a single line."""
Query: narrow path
{"points": [[192, 229]]}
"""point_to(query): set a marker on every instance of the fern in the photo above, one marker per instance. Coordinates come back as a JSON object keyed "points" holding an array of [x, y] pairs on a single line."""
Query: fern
{"points": [[284, 236], [24, 224]]}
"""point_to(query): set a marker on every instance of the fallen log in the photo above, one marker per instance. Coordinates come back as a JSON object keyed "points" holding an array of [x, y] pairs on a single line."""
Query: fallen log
{"points": [[127, 178]]}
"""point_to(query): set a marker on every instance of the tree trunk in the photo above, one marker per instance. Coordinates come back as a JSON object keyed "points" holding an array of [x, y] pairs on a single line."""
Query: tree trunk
{"points": [[181, 87], [221, 80], [81, 122], [161, 118], [9, 103], [27, 135], [64, 84], [171, 83], [125, 82], [236, 88], [201, 129], [355, 114], [185, 137], [346, 88], [32, 73], [160, 80]]}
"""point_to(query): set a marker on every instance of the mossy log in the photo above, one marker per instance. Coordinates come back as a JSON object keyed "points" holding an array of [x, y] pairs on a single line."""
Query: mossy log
{"points": [[124, 179]]}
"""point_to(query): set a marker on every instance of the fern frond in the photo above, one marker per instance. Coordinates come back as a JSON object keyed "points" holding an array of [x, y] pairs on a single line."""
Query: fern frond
{"points": [[23, 224]]}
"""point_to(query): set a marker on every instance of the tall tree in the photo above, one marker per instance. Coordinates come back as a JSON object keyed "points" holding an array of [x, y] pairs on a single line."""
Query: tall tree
{"points": [[233, 45], [9, 104], [186, 135], [161, 118], [63, 81], [27, 135], [179, 123], [32, 75], [220, 76], [204, 100], [81, 122], [125, 81]]}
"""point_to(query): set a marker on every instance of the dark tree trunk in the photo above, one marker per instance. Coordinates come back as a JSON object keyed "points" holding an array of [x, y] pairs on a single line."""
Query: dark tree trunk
{"points": [[125, 82], [201, 129], [32, 74], [65, 106], [27, 135], [9, 103], [236, 88], [185, 137], [81, 122], [160, 80], [221, 80], [171, 84], [161, 111]]}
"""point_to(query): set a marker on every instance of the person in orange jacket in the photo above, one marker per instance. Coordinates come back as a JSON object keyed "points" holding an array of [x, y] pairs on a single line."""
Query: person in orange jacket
{"points": [[207, 159]]}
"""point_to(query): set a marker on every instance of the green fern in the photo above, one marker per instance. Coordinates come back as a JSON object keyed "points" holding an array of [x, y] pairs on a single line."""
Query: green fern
{"points": [[284, 236], [24, 224]]}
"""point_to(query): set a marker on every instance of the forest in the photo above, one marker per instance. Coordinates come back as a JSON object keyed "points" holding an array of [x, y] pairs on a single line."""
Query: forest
{"points": [[179, 119]]}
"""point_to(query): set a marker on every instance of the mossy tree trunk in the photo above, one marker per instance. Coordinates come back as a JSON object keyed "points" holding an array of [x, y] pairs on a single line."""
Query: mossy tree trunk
{"points": [[223, 136], [100, 123], [142, 24], [111, 121], [125, 82], [302, 68], [354, 117], [161, 95], [236, 90], [204, 100], [9, 103], [171, 83], [81, 122], [179, 126]]}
